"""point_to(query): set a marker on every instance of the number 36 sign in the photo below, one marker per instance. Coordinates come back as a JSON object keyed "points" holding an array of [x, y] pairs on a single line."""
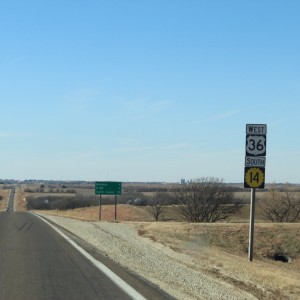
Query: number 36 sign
{"points": [[256, 140], [255, 145]]}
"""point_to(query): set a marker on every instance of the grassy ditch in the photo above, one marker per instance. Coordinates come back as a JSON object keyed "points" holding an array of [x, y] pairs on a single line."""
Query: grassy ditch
{"points": [[220, 250], [269, 239]]}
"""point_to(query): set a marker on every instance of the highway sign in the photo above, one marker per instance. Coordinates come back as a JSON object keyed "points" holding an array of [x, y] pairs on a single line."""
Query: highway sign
{"points": [[254, 177], [256, 129], [255, 161], [108, 188], [256, 145]]}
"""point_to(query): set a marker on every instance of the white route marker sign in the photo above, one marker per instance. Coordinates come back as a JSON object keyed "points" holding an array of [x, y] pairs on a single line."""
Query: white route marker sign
{"points": [[256, 139]]}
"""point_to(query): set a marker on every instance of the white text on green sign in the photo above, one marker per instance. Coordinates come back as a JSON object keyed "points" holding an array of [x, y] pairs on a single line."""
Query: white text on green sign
{"points": [[108, 188]]}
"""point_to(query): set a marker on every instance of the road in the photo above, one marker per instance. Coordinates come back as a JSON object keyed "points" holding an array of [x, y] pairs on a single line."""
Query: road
{"points": [[10, 203], [37, 263]]}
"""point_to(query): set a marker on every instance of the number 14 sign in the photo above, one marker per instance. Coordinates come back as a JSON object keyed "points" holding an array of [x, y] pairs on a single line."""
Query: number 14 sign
{"points": [[254, 178], [256, 144]]}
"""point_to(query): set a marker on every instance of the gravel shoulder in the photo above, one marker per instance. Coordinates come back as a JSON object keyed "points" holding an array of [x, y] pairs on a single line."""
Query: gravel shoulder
{"points": [[171, 271]]}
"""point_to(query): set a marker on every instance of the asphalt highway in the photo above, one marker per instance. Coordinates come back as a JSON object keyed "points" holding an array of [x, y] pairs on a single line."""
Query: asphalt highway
{"points": [[37, 263], [10, 203]]}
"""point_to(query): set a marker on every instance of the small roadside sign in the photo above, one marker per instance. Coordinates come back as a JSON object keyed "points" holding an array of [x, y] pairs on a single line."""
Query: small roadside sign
{"points": [[256, 129], [252, 161], [254, 177], [108, 188]]}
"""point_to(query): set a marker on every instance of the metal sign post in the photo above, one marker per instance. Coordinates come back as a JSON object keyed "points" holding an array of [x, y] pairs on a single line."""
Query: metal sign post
{"points": [[251, 228], [254, 175], [115, 208], [46, 204], [100, 207]]}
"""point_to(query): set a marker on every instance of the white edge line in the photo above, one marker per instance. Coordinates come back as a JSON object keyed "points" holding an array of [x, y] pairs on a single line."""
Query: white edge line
{"points": [[115, 278]]}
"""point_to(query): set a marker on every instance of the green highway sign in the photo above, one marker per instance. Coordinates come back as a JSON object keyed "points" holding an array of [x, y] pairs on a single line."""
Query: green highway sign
{"points": [[108, 188]]}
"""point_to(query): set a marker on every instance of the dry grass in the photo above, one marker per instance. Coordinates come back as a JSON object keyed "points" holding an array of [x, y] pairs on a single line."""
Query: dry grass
{"points": [[219, 250], [20, 200], [4, 201], [124, 213]]}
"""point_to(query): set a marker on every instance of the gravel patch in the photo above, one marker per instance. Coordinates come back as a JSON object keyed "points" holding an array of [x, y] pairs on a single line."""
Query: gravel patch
{"points": [[153, 261]]}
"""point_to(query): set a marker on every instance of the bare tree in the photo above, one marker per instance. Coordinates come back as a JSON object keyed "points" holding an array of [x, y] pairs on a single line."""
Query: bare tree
{"points": [[157, 205], [206, 199], [156, 208], [281, 205]]}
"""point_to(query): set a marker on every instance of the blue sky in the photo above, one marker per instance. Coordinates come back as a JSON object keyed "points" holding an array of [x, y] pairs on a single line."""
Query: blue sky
{"points": [[147, 90]]}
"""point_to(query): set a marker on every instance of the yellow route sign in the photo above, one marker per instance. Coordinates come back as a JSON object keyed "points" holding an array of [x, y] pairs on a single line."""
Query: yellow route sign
{"points": [[254, 178]]}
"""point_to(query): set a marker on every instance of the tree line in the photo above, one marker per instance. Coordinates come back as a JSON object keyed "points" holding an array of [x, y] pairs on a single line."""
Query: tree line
{"points": [[207, 199]]}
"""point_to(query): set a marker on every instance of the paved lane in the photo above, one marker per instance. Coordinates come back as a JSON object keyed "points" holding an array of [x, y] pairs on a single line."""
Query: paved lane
{"points": [[10, 203], [36, 263]]}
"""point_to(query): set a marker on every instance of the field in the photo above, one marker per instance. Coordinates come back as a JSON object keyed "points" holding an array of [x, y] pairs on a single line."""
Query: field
{"points": [[220, 249]]}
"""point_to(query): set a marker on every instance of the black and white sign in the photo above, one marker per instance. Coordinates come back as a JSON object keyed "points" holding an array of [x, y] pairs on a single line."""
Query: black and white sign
{"points": [[258, 161], [255, 160], [256, 129], [256, 145]]}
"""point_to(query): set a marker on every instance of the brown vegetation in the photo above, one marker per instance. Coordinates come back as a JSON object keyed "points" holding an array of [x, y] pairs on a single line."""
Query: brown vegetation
{"points": [[281, 205], [219, 249], [206, 200], [4, 199]]}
